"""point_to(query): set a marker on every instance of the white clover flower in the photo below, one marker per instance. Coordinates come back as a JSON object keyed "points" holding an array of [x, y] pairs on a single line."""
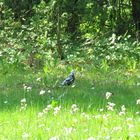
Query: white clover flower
{"points": [[0, 53], [25, 135], [49, 91], [5, 102], [97, 116], [91, 138], [49, 106], [121, 113], [110, 106], [85, 116], [138, 102], [56, 110], [123, 109], [86, 130], [129, 119], [38, 79], [23, 106], [45, 110], [105, 117], [107, 138], [24, 86], [19, 123], [23, 100], [130, 126], [75, 121], [74, 106], [117, 128], [40, 114], [29, 88], [138, 84], [69, 130], [54, 138], [42, 92], [101, 109], [137, 113], [132, 135], [73, 86], [108, 95], [41, 125]]}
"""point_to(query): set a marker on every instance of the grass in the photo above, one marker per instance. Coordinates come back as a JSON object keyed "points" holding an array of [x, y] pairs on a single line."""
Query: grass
{"points": [[80, 114]]}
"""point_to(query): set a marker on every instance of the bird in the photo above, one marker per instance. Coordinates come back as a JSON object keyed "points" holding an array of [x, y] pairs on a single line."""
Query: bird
{"points": [[69, 80]]}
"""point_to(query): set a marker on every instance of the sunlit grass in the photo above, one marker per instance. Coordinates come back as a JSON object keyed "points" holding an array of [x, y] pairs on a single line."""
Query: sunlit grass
{"points": [[32, 108]]}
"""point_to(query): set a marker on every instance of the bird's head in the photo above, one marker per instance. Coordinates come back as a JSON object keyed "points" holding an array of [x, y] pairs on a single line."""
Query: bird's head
{"points": [[72, 73]]}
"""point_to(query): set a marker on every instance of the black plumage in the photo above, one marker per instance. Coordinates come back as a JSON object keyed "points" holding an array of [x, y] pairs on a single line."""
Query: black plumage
{"points": [[69, 80]]}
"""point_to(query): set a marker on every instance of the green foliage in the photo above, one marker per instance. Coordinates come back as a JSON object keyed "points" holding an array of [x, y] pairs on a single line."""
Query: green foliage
{"points": [[88, 34]]}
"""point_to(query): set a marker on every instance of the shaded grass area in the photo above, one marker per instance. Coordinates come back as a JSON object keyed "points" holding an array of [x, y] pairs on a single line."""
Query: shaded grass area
{"points": [[92, 118]]}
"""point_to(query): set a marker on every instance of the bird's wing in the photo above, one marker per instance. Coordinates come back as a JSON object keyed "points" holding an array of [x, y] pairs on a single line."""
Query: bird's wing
{"points": [[67, 80]]}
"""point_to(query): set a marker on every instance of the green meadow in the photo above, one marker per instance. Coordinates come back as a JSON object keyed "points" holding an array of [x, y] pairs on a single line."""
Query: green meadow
{"points": [[100, 105]]}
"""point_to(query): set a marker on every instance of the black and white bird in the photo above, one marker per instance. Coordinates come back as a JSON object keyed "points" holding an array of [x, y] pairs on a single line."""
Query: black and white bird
{"points": [[69, 80]]}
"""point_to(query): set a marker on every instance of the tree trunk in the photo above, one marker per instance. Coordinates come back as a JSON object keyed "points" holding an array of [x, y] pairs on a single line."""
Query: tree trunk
{"points": [[59, 45], [136, 13]]}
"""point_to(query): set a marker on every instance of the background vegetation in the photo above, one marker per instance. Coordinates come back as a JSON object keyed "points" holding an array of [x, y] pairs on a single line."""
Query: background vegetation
{"points": [[41, 41]]}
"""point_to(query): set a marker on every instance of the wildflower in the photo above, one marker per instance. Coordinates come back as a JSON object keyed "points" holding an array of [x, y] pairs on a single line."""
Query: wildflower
{"points": [[49, 91], [25, 135], [23, 100], [138, 84], [85, 116], [117, 128], [38, 79], [130, 126], [105, 117], [91, 138], [42, 92], [41, 125], [129, 119], [137, 113], [24, 86], [108, 95], [97, 116], [49, 106], [132, 135], [121, 113], [56, 110], [20, 123], [107, 137], [54, 138], [138, 102], [75, 121], [110, 106], [5, 102], [0, 53], [123, 110], [40, 114], [73, 86], [74, 108], [23, 106], [139, 76], [86, 130], [29, 89], [101, 110], [93, 88], [69, 130]]}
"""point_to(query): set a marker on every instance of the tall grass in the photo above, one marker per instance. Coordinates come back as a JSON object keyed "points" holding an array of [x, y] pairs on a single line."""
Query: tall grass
{"points": [[79, 112]]}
